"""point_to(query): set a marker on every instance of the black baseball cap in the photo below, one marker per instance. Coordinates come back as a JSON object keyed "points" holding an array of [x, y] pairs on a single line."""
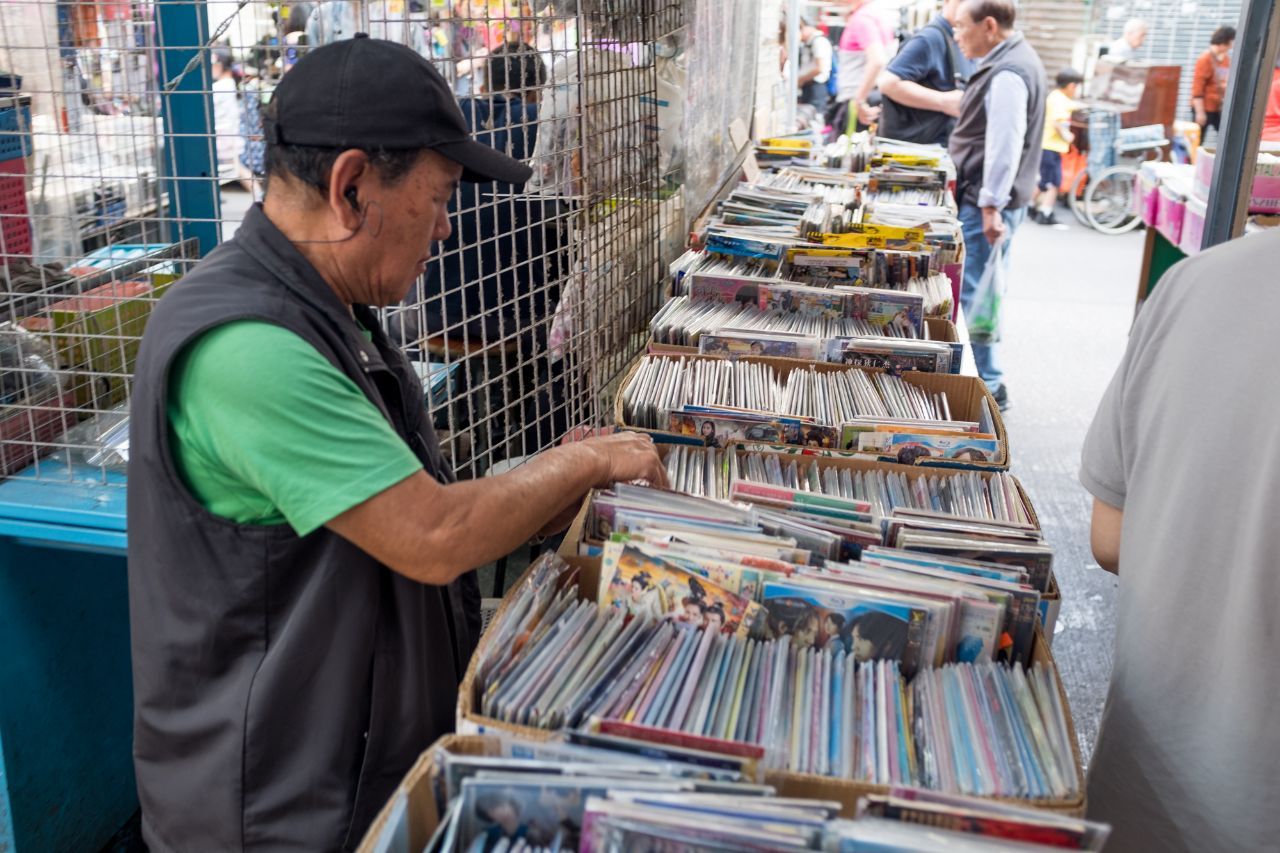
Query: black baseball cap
{"points": [[369, 93]]}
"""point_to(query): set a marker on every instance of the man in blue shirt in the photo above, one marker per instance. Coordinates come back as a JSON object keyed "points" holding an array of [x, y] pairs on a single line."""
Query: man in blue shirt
{"points": [[503, 249], [922, 85]]}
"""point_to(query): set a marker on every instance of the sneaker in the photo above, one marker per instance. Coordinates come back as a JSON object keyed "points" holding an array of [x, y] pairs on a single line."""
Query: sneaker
{"points": [[1001, 396], [1037, 216], [1048, 218]]}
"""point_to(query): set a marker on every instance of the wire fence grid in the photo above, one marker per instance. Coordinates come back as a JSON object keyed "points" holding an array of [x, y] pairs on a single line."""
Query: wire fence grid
{"points": [[131, 143]]}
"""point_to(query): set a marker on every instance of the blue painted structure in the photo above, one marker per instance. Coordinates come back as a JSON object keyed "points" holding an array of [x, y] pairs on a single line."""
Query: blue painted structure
{"points": [[66, 704], [189, 162], [66, 698]]}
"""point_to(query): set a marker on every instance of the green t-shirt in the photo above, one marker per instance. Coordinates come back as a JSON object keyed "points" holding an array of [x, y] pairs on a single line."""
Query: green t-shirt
{"points": [[265, 430]]}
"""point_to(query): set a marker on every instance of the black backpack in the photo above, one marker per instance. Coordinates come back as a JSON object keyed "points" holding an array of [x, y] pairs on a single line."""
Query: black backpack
{"points": [[926, 126]]}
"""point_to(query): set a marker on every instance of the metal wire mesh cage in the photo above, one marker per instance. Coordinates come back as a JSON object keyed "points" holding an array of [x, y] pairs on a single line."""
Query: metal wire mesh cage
{"points": [[131, 144]]}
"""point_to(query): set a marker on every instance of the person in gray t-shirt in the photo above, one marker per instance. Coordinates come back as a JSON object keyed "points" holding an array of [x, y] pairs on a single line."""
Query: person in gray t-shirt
{"points": [[1183, 460]]}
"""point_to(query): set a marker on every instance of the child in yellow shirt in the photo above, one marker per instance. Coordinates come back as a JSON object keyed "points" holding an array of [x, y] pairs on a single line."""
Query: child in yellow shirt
{"points": [[1057, 141]]}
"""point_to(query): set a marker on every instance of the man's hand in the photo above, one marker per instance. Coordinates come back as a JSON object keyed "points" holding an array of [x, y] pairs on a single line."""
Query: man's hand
{"points": [[628, 456], [1202, 117], [992, 224], [868, 114], [949, 102]]}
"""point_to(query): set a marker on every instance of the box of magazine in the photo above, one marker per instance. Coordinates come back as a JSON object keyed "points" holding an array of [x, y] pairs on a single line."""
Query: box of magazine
{"points": [[944, 330], [586, 574], [446, 801], [941, 330], [694, 469], [1050, 604], [412, 814], [410, 817], [970, 435]]}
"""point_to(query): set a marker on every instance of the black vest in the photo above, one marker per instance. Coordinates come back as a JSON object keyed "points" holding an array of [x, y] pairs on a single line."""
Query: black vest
{"points": [[283, 685], [969, 137]]}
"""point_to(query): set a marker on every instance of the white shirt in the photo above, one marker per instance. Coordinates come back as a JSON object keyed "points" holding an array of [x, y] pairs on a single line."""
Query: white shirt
{"points": [[1006, 106], [821, 53], [1120, 51], [1188, 755], [226, 122]]}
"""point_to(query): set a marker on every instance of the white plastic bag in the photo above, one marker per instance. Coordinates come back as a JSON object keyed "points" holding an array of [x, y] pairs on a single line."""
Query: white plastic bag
{"points": [[985, 316]]}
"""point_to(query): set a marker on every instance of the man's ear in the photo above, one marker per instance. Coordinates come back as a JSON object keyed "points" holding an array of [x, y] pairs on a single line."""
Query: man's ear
{"points": [[352, 170]]}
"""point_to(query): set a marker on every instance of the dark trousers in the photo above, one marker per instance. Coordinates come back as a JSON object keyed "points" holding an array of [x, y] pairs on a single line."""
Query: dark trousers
{"points": [[1211, 119], [815, 95]]}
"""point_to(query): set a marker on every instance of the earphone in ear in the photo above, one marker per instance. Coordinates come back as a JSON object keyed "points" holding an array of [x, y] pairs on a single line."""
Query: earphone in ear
{"points": [[352, 198]]}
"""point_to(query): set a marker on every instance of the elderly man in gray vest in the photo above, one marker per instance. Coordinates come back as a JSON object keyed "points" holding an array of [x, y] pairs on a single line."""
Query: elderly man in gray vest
{"points": [[997, 161]]}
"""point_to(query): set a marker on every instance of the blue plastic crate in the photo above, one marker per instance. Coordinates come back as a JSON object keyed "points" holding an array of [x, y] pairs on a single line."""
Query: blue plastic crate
{"points": [[15, 132]]}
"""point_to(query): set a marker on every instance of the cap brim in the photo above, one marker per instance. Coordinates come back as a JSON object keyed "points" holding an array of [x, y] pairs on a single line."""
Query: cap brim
{"points": [[482, 164]]}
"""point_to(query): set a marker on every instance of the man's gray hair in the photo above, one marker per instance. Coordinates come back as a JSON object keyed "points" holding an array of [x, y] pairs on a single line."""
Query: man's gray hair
{"points": [[1133, 26]]}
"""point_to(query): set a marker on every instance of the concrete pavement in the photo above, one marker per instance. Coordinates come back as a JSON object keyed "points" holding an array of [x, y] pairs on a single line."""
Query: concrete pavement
{"points": [[1069, 307]]}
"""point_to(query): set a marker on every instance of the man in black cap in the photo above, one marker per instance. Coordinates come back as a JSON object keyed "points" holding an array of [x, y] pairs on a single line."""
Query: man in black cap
{"points": [[302, 595]]}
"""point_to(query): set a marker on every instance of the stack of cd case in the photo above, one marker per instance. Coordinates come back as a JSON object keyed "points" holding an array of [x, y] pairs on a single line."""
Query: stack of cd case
{"points": [[587, 792], [941, 420], [732, 330], [833, 721], [980, 521]]}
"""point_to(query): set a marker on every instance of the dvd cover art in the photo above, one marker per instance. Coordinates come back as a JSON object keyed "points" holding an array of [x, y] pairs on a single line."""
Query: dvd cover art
{"points": [[906, 448], [723, 290], [725, 346], [634, 582], [722, 431], [863, 627]]}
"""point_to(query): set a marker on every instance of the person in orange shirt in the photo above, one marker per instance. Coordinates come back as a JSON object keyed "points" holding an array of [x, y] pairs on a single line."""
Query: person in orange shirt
{"points": [[1209, 80]]}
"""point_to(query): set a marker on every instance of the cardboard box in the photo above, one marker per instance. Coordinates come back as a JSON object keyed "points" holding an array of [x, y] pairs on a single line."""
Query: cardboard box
{"points": [[851, 461], [940, 329], [407, 828], [964, 395], [95, 336], [1050, 600], [1264, 194], [859, 462], [844, 791]]}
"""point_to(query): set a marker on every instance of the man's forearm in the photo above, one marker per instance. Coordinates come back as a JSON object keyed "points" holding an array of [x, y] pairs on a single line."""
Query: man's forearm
{"points": [[875, 64], [490, 517], [908, 93], [433, 533], [809, 74]]}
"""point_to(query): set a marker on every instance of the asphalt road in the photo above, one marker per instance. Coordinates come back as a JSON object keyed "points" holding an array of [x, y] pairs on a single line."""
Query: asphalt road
{"points": [[1069, 307]]}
